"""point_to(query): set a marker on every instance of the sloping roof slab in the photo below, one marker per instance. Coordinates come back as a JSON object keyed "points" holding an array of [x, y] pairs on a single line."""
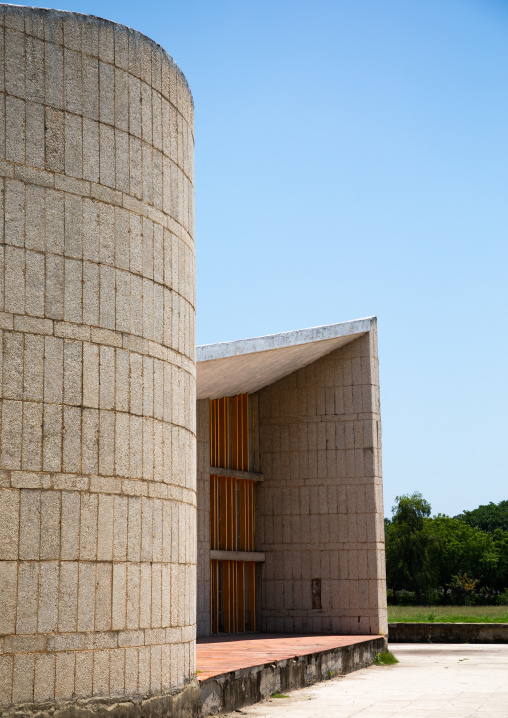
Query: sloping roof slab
{"points": [[247, 365]]}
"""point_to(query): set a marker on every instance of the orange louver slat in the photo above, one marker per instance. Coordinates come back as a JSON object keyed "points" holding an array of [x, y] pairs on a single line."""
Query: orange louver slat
{"points": [[232, 514]]}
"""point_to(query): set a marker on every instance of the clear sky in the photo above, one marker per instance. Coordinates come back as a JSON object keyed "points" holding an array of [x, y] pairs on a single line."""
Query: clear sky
{"points": [[352, 160]]}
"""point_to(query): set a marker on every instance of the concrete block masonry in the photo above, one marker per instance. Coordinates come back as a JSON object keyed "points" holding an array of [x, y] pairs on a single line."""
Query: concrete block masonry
{"points": [[97, 297], [105, 456], [319, 509]]}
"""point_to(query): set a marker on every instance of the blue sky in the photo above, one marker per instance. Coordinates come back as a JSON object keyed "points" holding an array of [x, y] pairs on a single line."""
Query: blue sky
{"points": [[352, 160]]}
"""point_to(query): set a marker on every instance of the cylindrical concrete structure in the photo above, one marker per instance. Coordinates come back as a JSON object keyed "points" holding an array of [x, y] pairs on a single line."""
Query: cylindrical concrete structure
{"points": [[97, 434]]}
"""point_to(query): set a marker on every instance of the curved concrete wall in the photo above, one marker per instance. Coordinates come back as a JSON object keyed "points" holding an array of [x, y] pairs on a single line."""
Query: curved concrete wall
{"points": [[97, 445]]}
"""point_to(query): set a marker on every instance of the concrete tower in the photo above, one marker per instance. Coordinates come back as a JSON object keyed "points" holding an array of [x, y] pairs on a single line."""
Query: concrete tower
{"points": [[97, 435]]}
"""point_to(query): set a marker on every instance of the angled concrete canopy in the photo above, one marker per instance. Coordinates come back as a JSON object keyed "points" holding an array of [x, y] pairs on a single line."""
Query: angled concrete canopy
{"points": [[247, 365]]}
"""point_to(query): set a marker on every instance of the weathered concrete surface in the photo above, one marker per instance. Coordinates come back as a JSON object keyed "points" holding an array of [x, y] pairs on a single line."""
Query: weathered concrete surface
{"points": [[233, 690], [97, 414], [319, 511], [185, 703], [448, 633], [247, 365], [429, 681]]}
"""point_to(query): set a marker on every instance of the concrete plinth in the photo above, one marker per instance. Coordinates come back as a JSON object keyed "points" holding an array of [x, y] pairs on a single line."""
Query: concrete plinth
{"points": [[242, 670]]}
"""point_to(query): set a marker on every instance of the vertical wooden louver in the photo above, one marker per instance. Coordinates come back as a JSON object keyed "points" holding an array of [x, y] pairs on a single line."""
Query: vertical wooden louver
{"points": [[232, 512], [232, 433], [233, 596]]}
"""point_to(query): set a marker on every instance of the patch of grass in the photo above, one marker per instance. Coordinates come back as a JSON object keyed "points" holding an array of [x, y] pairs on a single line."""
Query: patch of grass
{"points": [[385, 658], [278, 694], [448, 614]]}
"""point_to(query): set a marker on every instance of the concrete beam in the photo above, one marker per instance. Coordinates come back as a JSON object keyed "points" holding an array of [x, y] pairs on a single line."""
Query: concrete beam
{"points": [[234, 474], [257, 556]]}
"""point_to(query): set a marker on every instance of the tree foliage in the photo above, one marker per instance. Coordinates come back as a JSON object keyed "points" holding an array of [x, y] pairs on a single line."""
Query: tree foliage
{"points": [[425, 555], [409, 545], [487, 517]]}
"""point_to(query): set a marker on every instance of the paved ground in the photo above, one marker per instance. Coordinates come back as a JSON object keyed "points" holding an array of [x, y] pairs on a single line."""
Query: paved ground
{"points": [[431, 681], [222, 654]]}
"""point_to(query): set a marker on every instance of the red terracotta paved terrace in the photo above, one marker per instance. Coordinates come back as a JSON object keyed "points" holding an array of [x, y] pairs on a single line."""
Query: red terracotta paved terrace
{"points": [[222, 654]]}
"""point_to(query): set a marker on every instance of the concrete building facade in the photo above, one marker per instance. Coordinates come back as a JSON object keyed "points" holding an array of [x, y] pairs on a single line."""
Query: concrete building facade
{"points": [[135, 503], [97, 446], [319, 536]]}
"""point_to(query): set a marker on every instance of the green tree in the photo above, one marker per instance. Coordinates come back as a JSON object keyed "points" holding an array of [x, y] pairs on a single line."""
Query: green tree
{"points": [[409, 546], [395, 570], [466, 585], [487, 517], [459, 549], [500, 579], [424, 554]]}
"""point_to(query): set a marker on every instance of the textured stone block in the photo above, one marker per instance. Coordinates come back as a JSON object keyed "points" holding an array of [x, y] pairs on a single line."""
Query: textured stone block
{"points": [[87, 451], [8, 596]]}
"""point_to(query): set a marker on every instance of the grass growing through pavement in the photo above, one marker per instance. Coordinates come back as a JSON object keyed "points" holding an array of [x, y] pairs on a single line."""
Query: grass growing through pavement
{"points": [[448, 614], [385, 658]]}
